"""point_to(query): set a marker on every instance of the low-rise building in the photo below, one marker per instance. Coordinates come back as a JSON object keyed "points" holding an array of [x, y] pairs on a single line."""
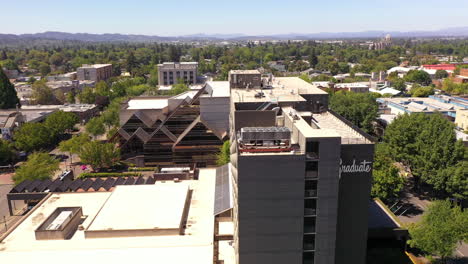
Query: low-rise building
{"points": [[462, 77], [9, 121], [461, 119], [446, 105], [352, 87], [165, 222], [83, 111], [170, 72], [95, 72], [245, 78]]}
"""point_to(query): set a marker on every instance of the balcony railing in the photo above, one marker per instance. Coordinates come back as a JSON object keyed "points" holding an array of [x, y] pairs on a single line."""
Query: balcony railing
{"points": [[310, 193], [310, 212]]}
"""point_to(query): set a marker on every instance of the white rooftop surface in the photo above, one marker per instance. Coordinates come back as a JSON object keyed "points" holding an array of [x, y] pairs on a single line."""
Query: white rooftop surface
{"points": [[125, 210], [142, 103], [184, 95], [285, 89], [219, 88], [348, 135], [195, 246]]}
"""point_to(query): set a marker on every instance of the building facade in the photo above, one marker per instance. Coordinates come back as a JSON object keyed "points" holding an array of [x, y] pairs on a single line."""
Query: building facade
{"points": [[305, 198], [170, 72], [95, 72]]}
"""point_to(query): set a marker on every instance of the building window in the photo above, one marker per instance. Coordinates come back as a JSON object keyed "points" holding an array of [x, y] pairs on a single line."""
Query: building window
{"points": [[312, 150], [311, 169]]}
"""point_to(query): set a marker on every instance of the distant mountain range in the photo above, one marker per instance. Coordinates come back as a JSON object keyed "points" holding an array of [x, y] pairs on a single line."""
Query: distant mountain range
{"points": [[87, 37]]}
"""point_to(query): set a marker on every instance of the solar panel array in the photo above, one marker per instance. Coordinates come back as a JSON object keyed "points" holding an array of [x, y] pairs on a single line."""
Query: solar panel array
{"points": [[223, 196], [87, 185]]}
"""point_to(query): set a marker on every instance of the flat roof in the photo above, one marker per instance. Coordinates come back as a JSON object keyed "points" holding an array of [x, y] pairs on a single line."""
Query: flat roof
{"points": [[124, 210], [219, 88], [147, 103], [285, 89], [348, 135], [95, 65], [195, 246], [421, 104], [244, 72]]}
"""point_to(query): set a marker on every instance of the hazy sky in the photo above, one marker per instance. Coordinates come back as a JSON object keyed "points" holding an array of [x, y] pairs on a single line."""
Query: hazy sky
{"points": [[178, 17]]}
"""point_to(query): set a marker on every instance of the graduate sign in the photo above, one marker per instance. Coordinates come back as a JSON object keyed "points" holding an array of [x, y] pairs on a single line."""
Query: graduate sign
{"points": [[355, 166]]}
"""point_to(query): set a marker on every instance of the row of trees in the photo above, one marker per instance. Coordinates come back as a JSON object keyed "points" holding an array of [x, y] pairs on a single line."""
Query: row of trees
{"points": [[140, 59]]}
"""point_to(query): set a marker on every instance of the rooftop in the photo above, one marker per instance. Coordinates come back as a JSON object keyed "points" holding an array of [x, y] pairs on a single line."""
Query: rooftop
{"points": [[145, 206], [426, 105], [244, 72], [95, 65], [284, 89], [178, 65], [124, 210], [147, 103], [218, 88]]}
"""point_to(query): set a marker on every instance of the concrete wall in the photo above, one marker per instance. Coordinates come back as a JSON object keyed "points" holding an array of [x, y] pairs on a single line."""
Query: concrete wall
{"points": [[251, 118], [215, 112], [354, 195], [270, 190]]}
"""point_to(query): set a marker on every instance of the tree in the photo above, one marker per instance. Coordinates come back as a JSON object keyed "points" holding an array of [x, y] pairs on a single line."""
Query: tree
{"points": [[33, 136], [102, 89], [39, 166], [428, 145], [441, 74], [179, 87], [399, 84], [417, 76], [44, 69], [87, 96], [60, 122], [420, 91], [442, 227], [75, 143], [387, 182], [71, 97], [153, 79], [42, 94], [8, 96], [224, 155], [7, 154], [100, 155], [359, 108], [95, 126]]}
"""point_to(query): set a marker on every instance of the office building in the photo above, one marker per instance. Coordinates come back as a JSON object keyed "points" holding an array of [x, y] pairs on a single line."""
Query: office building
{"points": [[170, 72], [185, 129], [95, 72], [301, 177]]}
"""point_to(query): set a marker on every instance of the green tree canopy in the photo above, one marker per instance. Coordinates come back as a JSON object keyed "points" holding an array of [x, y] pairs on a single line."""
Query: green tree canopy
{"points": [[417, 76], [428, 144], [60, 122], [39, 166], [421, 91], [8, 96], [100, 155], [7, 153], [387, 182], [75, 143], [441, 228], [33, 136], [441, 74], [42, 94], [224, 155], [87, 96], [399, 84], [95, 126], [359, 108]]}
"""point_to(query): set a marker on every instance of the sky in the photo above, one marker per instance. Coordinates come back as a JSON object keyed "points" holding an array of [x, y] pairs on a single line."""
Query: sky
{"points": [[259, 17]]}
